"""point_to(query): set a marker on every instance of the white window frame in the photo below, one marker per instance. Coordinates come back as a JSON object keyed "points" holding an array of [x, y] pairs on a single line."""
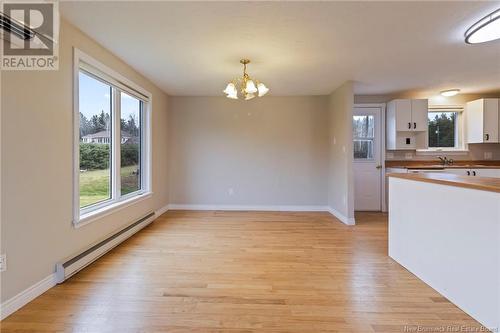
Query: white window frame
{"points": [[82, 61], [461, 148]]}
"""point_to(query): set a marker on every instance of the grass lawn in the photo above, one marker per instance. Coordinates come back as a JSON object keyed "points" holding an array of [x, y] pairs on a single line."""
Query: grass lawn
{"points": [[95, 185]]}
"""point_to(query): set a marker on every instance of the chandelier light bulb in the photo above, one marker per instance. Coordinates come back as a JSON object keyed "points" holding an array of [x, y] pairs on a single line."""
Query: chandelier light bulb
{"points": [[230, 89], [250, 87], [262, 89]]}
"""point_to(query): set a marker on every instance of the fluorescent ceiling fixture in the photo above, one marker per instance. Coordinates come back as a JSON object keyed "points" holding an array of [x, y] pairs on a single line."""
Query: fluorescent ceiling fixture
{"points": [[484, 30], [450, 92], [246, 85]]}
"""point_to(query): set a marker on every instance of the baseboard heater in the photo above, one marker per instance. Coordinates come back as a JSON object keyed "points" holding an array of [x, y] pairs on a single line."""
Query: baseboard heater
{"points": [[73, 265]]}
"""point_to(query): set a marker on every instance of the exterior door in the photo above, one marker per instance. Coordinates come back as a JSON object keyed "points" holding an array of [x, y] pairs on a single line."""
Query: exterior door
{"points": [[367, 158]]}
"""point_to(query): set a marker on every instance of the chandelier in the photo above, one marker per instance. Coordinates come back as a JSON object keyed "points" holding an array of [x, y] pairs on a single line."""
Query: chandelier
{"points": [[248, 87]]}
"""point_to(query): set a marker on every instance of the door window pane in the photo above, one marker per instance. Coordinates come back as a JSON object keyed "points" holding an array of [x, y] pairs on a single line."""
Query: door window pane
{"points": [[363, 149], [95, 140], [363, 126], [363, 136], [130, 144], [443, 129]]}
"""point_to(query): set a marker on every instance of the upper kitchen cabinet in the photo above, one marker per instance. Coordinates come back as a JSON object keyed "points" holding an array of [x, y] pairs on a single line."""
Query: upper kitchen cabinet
{"points": [[408, 114], [419, 114], [407, 124], [483, 121]]}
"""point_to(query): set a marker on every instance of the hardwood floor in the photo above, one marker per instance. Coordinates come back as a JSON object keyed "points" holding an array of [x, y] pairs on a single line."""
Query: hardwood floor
{"points": [[244, 272]]}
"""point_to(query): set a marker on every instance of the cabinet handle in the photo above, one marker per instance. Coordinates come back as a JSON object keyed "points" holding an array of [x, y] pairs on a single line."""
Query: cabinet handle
{"points": [[487, 137], [473, 173], [414, 125], [409, 125], [468, 173]]}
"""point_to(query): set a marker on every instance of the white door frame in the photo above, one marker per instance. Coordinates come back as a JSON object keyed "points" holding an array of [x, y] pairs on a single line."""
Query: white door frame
{"points": [[382, 147]]}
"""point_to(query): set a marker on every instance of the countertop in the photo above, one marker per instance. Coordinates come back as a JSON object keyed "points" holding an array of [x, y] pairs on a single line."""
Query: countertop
{"points": [[436, 165], [476, 183]]}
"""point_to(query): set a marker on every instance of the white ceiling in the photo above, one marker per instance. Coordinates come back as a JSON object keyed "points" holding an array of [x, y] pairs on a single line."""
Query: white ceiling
{"points": [[296, 48]]}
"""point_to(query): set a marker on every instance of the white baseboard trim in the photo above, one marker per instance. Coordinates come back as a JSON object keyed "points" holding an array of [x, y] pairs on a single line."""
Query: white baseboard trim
{"points": [[24, 297], [344, 219], [162, 210], [275, 208], [291, 208]]}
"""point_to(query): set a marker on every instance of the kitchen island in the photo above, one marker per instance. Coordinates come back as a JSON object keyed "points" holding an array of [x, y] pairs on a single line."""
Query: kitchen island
{"points": [[445, 229]]}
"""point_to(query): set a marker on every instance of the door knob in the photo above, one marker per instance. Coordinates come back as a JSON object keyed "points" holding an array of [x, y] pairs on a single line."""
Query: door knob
{"points": [[379, 167]]}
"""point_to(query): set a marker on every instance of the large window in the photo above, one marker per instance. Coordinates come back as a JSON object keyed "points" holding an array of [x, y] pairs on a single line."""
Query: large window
{"points": [[95, 140], [112, 143], [444, 128]]}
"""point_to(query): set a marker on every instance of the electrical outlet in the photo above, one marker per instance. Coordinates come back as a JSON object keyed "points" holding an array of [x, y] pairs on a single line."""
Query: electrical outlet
{"points": [[3, 262], [408, 156], [230, 191], [488, 155]]}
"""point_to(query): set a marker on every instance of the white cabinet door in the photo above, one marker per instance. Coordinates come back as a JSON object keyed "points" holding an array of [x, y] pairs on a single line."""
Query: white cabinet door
{"points": [[403, 115], [494, 173], [490, 120], [483, 123], [456, 171], [474, 121], [419, 114]]}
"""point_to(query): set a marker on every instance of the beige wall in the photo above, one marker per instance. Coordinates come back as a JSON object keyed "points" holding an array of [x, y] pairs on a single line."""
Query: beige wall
{"points": [[341, 181], [476, 151], [270, 151], [37, 129]]}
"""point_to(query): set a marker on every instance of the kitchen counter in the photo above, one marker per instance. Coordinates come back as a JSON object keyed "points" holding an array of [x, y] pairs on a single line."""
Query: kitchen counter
{"points": [[436, 165], [445, 229], [477, 183]]}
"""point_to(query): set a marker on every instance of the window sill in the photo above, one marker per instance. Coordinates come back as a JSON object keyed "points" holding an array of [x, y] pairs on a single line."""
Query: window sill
{"points": [[436, 152], [110, 209]]}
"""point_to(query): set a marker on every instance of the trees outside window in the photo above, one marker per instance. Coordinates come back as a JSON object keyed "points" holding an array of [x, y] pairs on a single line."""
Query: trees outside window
{"points": [[443, 129]]}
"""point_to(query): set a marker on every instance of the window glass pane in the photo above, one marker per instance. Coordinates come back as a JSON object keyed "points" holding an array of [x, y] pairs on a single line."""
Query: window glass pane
{"points": [[363, 149], [442, 129], [130, 125], [95, 140], [363, 126]]}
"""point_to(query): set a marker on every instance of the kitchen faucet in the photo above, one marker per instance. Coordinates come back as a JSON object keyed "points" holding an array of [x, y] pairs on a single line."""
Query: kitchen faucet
{"points": [[445, 161]]}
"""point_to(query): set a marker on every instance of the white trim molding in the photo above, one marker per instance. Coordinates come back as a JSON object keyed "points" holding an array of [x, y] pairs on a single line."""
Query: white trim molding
{"points": [[344, 219], [275, 208], [24, 297]]}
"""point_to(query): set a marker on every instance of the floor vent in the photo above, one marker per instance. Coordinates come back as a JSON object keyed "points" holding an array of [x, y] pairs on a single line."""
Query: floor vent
{"points": [[72, 265]]}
